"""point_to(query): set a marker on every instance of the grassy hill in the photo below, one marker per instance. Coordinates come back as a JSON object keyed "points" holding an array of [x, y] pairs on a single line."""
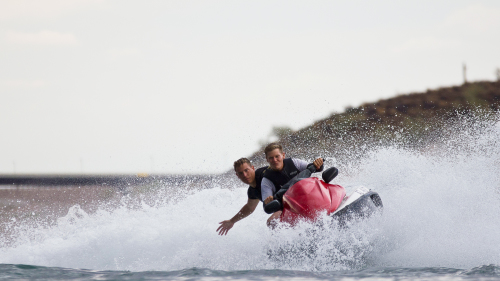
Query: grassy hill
{"points": [[415, 120]]}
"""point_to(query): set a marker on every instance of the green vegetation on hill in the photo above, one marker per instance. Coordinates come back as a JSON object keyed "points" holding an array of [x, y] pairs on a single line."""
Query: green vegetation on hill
{"points": [[415, 120]]}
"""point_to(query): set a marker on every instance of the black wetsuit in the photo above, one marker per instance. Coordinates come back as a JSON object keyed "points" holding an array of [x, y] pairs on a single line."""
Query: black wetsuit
{"points": [[279, 178], [255, 192]]}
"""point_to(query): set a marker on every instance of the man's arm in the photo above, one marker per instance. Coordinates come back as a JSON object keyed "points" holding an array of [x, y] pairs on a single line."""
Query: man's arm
{"points": [[249, 207], [301, 165], [267, 189]]}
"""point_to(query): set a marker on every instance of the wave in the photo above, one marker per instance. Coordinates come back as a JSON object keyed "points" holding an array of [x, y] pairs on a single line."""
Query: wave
{"points": [[441, 207]]}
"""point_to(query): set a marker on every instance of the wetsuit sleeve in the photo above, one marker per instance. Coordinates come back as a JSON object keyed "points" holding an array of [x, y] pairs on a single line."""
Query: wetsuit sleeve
{"points": [[267, 188], [301, 165], [252, 193]]}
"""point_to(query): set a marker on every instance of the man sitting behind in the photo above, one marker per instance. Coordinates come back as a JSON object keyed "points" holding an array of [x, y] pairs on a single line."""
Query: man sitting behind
{"points": [[247, 174], [280, 171]]}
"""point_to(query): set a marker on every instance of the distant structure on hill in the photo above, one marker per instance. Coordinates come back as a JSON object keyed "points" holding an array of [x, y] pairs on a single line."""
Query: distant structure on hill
{"points": [[464, 68]]}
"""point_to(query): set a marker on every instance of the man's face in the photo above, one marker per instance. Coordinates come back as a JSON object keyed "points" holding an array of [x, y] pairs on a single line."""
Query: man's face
{"points": [[246, 173], [275, 159]]}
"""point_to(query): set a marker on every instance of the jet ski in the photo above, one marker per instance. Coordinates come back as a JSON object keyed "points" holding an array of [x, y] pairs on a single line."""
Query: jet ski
{"points": [[305, 198]]}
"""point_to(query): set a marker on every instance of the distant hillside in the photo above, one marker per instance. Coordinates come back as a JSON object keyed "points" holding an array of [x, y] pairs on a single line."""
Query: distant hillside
{"points": [[414, 120]]}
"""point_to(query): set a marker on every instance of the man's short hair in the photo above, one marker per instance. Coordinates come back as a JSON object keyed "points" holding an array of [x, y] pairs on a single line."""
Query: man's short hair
{"points": [[240, 162], [272, 146]]}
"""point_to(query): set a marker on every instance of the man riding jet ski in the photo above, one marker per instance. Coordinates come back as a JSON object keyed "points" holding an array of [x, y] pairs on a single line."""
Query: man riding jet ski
{"points": [[280, 171], [304, 197], [265, 181]]}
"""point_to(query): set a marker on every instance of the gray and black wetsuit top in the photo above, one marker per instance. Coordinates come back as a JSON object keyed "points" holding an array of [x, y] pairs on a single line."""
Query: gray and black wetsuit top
{"points": [[274, 180], [255, 192]]}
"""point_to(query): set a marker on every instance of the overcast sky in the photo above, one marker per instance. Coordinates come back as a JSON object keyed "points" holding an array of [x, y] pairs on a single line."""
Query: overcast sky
{"points": [[98, 86]]}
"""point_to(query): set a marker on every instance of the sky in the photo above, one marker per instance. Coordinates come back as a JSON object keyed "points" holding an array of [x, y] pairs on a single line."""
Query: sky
{"points": [[113, 87]]}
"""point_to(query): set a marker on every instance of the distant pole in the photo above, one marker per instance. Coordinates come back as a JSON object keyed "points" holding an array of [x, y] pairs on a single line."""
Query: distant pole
{"points": [[498, 74], [81, 165], [14, 165], [465, 73]]}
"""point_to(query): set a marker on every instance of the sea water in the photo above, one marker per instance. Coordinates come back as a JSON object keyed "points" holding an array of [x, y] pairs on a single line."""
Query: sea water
{"points": [[440, 221]]}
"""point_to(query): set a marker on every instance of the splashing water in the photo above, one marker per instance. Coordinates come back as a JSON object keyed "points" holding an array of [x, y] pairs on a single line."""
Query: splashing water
{"points": [[441, 209]]}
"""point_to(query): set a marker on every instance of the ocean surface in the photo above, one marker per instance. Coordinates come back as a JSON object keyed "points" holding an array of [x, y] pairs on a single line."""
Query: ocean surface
{"points": [[441, 221]]}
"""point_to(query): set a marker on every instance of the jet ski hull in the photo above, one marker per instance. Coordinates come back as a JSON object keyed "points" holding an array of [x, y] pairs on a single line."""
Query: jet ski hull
{"points": [[361, 204], [307, 198]]}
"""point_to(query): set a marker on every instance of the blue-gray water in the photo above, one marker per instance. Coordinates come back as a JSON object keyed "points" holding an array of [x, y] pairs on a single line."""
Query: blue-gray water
{"points": [[440, 221], [27, 272]]}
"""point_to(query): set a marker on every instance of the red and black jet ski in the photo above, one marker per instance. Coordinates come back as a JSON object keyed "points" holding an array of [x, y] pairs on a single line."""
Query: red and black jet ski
{"points": [[306, 197]]}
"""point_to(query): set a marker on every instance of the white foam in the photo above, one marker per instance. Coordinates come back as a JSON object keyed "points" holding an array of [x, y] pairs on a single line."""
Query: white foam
{"points": [[441, 208]]}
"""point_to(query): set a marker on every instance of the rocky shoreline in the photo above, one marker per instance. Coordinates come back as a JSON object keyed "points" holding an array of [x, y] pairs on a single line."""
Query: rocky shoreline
{"points": [[415, 120]]}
